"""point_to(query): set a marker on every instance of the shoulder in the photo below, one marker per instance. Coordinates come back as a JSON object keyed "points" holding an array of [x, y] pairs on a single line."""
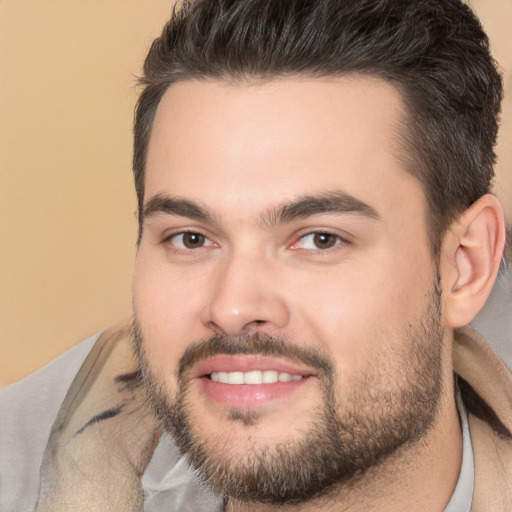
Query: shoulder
{"points": [[493, 468], [486, 388], [494, 322], [27, 411]]}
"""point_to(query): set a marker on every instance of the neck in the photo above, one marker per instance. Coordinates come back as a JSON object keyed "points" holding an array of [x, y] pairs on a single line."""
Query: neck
{"points": [[416, 478]]}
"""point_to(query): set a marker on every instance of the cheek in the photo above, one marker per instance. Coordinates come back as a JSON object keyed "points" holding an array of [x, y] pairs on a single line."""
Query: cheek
{"points": [[354, 309], [167, 308]]}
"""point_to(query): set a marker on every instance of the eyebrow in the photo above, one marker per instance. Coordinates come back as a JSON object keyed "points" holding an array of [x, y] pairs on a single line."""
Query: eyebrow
{"points": [[161, 203], [329, 202], [336, 202]]}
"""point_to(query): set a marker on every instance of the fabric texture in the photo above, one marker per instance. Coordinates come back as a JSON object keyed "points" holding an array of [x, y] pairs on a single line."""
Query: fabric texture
{"points": [[494, 321], [100, 447], [488, 398], [27, 411], [103, 437]]}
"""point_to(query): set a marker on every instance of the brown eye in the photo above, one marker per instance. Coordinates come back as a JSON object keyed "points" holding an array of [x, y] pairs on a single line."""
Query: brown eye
{"points": [[325, 240], [319, 241], [190, 240], [193, 240]]}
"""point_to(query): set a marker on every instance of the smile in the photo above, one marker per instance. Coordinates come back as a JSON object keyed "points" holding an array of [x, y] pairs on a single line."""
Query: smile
{"points": [[254, 377], [248, 381]]}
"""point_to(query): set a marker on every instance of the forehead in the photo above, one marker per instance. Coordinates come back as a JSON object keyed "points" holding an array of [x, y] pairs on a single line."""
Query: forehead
{"points": [[219, 141]]}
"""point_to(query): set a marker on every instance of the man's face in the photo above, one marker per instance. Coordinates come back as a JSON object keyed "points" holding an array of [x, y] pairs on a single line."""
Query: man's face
{"points": [[286, 300]]}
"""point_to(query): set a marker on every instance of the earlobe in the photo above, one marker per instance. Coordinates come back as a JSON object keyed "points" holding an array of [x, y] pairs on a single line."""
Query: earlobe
{"points": [[473, 249]]}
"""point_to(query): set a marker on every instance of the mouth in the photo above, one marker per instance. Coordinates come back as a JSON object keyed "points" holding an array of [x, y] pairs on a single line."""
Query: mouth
{"points": [[255, 377], [245, 382]]}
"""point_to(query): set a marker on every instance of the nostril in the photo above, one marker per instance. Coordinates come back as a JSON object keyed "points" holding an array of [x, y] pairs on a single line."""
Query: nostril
{"points": [[255, 325]]}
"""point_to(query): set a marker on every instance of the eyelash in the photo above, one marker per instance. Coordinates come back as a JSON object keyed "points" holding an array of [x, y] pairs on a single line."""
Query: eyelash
{"points": [[339, 241], [168, 241]]}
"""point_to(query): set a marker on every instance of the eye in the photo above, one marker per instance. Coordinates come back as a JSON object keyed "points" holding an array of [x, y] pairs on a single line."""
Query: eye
{"points": [[189, 240], [318, 241]]}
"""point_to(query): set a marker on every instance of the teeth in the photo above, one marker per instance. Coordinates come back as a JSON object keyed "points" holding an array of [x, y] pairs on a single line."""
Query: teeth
{"points": [[235, 378], [253, 377], [270, 376]]}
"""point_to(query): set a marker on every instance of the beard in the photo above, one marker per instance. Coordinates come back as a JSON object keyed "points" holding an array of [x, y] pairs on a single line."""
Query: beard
{"points": [[389, 404]]}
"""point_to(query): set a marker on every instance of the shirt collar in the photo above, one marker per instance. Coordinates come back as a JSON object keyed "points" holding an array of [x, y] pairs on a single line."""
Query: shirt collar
{"points": [[462, 496]]}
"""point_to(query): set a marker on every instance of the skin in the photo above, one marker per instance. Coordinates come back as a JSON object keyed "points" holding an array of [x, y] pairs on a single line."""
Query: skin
{"points": [[243, 151]]}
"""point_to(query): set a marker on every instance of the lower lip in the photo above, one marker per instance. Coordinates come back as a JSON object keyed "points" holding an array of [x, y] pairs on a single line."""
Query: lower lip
{"points": [[245, 396]]}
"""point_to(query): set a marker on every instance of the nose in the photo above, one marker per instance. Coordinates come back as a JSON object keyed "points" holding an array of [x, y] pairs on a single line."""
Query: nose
{"points": [[245, 297]]}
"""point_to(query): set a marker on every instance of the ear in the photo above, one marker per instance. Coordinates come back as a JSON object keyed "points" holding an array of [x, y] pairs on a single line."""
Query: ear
{"points": [[470, 259]]}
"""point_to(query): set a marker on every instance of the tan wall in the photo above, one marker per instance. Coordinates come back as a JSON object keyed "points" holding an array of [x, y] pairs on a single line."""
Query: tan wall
{"points": [[67, 228], [67, 231], [496, 16]]}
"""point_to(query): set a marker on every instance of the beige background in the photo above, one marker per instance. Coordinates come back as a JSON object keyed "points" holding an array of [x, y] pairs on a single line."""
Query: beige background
{"points": [[67, 229]]}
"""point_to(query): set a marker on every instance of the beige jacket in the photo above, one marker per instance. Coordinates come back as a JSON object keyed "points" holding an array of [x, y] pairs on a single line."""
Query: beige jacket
{"points": [[95, 465], [490, 419]]}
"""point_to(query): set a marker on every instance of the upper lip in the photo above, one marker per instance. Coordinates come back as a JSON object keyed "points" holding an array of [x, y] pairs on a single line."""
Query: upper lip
{"points": [[247, 363]]}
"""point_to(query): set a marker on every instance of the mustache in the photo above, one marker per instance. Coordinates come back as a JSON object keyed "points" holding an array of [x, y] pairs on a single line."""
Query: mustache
{"points": [[253, 344]]}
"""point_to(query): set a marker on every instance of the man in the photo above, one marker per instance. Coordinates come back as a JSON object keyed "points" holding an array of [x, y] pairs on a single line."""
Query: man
{"points": [[316, 232]]}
